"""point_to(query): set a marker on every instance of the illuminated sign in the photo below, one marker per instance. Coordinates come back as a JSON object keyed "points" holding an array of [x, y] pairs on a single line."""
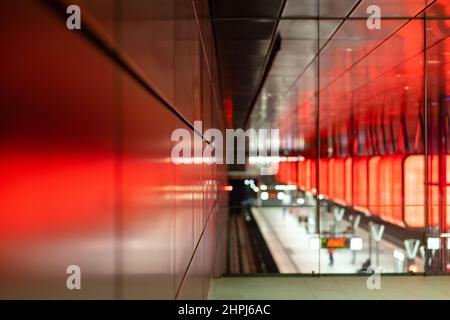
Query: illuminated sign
{"points": [[335, 243]]}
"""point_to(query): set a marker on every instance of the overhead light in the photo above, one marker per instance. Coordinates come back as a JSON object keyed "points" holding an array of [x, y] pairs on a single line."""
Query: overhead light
{"points": [[300, 201], [314, 243], [264, 195], [356, 243], [280, 195], [286, 187], [433, 243], [263, 187]]}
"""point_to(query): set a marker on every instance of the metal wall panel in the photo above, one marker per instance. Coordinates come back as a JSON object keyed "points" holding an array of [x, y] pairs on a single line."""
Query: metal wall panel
{"points": [[87, 177]]}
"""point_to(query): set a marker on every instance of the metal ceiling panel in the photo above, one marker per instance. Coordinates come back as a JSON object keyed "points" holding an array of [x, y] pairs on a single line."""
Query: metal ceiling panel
{"points": [[243, 39], [309, 8], [242, 47], [306, 29], [245, 9], [243, 29], [390, 8]]}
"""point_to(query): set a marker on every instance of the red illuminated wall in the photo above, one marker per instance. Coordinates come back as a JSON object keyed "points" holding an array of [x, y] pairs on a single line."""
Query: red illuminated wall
{"points": [[359, 187], [336, 167], [379, 100], [85, 152], [374, 185], [395, 184], [348, 180], [414, 183]]}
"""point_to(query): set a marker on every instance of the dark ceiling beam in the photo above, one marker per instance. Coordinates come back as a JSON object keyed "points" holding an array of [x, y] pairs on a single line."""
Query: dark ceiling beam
{"points": [[266, 65], [216, 53], [309, 64], [259, 19]]}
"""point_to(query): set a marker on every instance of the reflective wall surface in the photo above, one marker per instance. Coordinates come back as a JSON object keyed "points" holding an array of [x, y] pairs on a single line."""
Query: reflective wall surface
{"points": [[366, 113], [86, 177]]}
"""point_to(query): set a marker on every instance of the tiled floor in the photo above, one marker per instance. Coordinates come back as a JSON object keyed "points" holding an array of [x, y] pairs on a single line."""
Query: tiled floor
{"points": [[348, 288]]}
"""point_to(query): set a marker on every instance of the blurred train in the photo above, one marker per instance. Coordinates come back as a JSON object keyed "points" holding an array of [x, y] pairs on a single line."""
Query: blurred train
{"points": [[389, 187]]}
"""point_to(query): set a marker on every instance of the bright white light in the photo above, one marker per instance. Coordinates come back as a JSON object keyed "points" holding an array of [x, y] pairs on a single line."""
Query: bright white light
{"points": [[264, 195], [433, 243], [314, 243], [256, 189], [300, 201], [246, 182], [280, 195], [356, 244], [265, 160], [263, 187], [286, 187], [320, 196], [399, 255]]}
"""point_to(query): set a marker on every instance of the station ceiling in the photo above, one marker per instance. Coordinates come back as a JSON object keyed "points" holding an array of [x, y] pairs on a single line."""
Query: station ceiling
{"points": [[275, 54]]}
